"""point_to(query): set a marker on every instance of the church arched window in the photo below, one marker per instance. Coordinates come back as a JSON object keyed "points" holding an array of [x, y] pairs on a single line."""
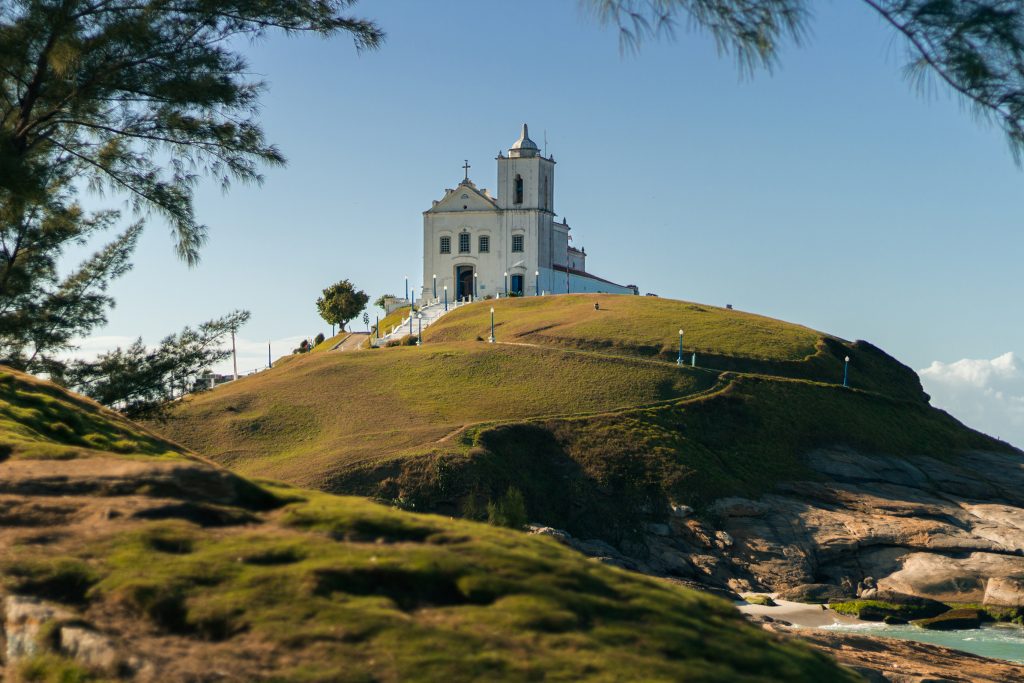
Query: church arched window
{"points": [[446, 245], [519, 189]]}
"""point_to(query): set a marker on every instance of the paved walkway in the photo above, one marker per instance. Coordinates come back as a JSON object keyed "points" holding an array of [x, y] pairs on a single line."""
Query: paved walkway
{"points": [[352, 342]]}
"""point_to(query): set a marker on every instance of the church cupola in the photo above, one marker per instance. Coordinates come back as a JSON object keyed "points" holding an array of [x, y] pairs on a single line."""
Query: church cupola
{"points": [[524, 147]]}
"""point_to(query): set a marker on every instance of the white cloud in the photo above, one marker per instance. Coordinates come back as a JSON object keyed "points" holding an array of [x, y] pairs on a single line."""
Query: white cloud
{"points": [[985, 394]]}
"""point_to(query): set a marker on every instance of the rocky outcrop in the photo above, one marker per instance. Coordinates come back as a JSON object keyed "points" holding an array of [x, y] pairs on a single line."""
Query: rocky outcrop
{"points": [[815, 593], [951, 530], [955, 619], [888, 660], [30, 627]]}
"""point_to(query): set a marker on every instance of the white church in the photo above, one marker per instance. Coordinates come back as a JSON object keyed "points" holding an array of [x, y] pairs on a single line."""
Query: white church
{"points": [[479, 245]]}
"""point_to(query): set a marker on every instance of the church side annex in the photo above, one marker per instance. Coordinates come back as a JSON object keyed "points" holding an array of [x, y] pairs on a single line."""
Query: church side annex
{"points": [[478, 245]]}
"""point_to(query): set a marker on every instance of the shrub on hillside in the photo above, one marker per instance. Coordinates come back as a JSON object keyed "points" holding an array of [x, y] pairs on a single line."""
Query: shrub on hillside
{"points": [[319, 339], [509, 510]]}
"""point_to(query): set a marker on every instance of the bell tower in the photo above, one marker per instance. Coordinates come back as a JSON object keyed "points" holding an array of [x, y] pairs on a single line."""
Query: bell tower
{"points": [[526, 179]]}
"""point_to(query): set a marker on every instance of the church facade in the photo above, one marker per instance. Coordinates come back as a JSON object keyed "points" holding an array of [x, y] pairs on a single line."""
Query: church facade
{"points": [[478, 245]]}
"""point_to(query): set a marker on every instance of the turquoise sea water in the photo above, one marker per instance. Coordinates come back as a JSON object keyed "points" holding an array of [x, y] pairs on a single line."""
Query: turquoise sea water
{"points": [[1000, 642]]}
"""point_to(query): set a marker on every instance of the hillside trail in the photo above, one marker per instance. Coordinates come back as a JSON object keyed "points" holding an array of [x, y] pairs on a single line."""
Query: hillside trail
{"points": [[722, 382], [602, 354], [353, 342]]}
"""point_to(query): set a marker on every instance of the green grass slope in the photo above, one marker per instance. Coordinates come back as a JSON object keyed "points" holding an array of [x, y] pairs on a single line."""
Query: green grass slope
{"points": [[39, 420], [324, 412], [187, 583], [649, 327], [602, 476], [584, 410]]}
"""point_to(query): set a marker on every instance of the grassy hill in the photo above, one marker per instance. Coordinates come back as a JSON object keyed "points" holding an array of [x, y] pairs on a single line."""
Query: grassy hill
{"points": [[583, 410], [603, 476], [648, 327], [318, 417], [329, 411], [133, 557]]}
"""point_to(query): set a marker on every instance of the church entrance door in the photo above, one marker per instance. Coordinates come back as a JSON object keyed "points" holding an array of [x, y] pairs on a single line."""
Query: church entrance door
{"points": [[516, 285], [464, 282]]}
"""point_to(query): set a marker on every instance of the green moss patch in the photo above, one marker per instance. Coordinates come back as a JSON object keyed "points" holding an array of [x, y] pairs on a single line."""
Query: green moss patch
{"points": [[890, 612], [756, 599], [436, 599], [59, 579], [42, 421], [955, 619]]}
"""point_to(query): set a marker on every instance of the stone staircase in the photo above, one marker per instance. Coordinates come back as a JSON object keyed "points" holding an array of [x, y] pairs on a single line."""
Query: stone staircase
{"points": [[429, 309]]}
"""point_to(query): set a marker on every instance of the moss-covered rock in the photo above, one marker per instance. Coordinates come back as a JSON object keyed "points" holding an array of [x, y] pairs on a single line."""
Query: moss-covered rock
{"points": [[895, 607], [955, 620], [760, 599]]}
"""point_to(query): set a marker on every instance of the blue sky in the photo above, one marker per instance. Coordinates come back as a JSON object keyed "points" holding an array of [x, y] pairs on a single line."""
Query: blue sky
{"points": [[828, 193]]}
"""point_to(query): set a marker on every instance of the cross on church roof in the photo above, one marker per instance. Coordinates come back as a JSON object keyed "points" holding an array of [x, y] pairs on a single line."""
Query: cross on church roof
{"points": [[466, 166]]}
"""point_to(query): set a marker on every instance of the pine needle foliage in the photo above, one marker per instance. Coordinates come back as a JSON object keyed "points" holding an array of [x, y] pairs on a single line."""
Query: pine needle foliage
{"points": [[975, 47], [143, 97]]}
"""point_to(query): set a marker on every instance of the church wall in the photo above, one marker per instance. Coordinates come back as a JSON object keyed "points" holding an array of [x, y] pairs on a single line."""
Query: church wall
{"points": [[436, 225], [553, 282]]}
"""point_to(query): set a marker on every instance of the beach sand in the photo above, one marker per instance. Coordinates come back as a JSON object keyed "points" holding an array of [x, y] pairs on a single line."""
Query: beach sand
{"points": [[798, 613]]}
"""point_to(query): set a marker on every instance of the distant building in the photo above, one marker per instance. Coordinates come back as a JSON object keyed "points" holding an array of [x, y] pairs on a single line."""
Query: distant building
{"points": [[477, 243]]}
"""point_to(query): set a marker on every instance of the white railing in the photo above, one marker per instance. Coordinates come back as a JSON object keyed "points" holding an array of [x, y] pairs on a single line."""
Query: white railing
{"points": [[430, 310]]}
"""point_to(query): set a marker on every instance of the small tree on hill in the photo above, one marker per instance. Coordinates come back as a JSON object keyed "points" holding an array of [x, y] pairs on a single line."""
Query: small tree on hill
{"points": [[340, 303]]}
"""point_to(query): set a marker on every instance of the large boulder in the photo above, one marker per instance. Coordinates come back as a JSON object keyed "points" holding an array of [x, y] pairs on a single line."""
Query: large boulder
{"points": [[1004, 592], [890, 607], [955, 620], [815, 593]]}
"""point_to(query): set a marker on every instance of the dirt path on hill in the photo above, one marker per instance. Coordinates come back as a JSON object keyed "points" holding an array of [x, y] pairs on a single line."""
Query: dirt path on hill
{"points": [[722, 382], [583, 352]]}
